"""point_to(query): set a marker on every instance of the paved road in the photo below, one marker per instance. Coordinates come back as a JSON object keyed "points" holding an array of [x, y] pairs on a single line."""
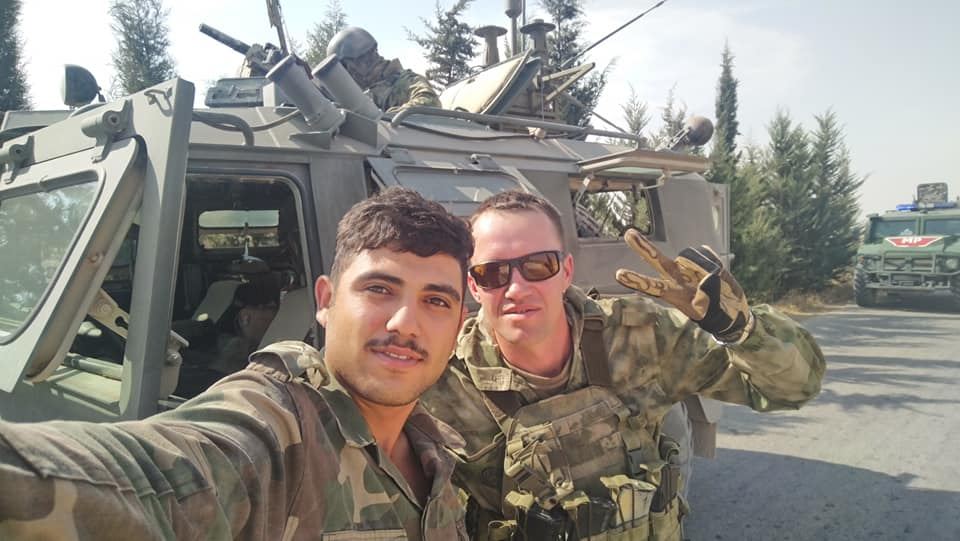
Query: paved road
{"points": [[875, 456]]}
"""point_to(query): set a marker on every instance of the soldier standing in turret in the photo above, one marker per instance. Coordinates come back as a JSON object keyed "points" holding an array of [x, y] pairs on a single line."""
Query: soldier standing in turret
{"points": [[390, 86]]}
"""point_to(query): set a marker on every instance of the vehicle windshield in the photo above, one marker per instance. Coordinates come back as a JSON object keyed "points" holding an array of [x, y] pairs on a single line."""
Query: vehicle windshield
{"points": [[36, 232], [943, 226], [893, 228]]}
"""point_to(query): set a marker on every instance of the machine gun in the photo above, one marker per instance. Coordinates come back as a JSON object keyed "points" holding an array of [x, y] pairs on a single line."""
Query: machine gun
{"points": [[258, 59]]}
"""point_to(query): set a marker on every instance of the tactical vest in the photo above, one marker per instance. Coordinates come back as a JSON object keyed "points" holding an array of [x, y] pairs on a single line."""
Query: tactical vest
{"points": [[580, 465]]}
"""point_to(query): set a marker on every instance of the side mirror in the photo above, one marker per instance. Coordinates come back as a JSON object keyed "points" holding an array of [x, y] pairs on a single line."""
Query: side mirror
{"points": [[79, 86]]}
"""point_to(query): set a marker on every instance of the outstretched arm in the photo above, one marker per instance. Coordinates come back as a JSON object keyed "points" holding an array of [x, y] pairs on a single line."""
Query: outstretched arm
{"points": [[224, 465]]}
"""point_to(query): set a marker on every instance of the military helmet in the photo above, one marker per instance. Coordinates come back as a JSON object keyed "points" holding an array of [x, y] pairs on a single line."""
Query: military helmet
{"points": [[351, 42]]}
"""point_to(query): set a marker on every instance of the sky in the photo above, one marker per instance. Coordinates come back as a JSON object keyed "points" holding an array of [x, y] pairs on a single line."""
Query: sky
{"points": [[888, 69]]}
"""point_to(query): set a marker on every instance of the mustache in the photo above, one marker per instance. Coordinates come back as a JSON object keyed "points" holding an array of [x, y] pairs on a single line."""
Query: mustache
{"points": [[393, 340]]}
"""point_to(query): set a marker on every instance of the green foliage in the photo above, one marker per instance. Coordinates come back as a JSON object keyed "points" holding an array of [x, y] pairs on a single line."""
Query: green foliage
{"points": [[142, 57], [835, 200], [448, 43], [318, 37], [636, 115], [724, 151], [14, 92], [564, 43], [793, 205]]}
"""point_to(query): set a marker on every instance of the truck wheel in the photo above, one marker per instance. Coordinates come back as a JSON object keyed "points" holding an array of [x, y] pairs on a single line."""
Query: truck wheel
{"points": [[862, 295], [955, 289]]}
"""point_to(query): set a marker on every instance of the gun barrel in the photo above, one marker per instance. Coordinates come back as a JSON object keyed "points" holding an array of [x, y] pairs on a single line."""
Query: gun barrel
{"points": [[233, 43]]}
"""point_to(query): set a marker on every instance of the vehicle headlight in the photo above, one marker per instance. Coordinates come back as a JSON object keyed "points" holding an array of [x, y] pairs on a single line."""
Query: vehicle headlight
{"points": [[952, 263], [869, 263]]}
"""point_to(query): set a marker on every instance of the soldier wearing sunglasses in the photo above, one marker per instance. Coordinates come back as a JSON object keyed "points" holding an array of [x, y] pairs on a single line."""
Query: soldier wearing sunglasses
{"points": [[561, 398]]}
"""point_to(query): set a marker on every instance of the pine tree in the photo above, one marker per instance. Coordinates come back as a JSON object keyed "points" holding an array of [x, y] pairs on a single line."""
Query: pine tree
{"points": [[14, 92], [564, 43], [142, 56], [449, 44], [671, 117], [788, 193], [637, 116], [761, 251], [334, 20], [835, 198]]}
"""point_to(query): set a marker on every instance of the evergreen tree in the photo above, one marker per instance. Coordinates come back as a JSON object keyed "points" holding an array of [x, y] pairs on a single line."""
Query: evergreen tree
{"points": [[142, 56], [724, 153], [14, 92], [761, 251], [835, 201], [671, 117], [449, 44], [637, 116], [564, 43], [788, 192], [334, 20]]}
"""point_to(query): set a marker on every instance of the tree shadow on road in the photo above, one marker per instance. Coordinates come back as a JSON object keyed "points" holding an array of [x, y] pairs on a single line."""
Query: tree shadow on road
{"points": [[746, 495]]}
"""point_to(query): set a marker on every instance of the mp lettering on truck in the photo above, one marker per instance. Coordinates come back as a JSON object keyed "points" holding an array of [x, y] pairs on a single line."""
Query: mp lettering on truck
{"points": [[912, 242]]}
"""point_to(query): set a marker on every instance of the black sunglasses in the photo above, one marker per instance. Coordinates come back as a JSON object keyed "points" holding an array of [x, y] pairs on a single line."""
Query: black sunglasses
{"points": [[534, 267]]}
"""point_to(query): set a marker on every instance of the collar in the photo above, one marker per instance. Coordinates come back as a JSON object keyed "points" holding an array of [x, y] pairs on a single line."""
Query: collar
{"points": [[301, 361]]}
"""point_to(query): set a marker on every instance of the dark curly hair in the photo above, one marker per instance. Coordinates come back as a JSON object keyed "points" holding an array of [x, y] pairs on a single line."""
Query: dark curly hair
{"points": [[402, 220]]}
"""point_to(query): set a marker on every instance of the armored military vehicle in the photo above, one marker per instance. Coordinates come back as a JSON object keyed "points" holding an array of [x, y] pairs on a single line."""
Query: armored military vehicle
{"points": [[913, 250], [147, 246]]}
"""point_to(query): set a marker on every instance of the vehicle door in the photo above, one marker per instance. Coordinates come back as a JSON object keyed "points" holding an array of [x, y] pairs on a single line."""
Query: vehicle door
{"points": [[82, 332]]}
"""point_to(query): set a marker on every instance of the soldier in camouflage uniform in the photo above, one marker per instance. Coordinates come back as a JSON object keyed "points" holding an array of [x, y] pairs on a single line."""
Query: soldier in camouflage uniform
{"points": [[300, 444], [390, 86], [560, 397]]}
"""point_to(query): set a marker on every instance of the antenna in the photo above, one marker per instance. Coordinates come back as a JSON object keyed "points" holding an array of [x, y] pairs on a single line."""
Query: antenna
{"points": [[604, 38], [276, 21]]}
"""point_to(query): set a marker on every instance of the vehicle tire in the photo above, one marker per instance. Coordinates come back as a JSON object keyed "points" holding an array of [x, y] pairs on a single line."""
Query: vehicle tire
{"points": [[955, 289], [861, 294]]}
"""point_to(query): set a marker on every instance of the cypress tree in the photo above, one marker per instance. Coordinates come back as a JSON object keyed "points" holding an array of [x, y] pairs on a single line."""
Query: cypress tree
{"points": [[14, 91]]}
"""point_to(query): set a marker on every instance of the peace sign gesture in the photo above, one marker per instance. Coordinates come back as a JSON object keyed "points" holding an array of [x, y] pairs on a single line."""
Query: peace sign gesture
{"points": [[697, 284]]}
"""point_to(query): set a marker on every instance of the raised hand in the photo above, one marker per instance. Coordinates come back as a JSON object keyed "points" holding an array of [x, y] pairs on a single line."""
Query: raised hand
{"points": [[697, 284]]}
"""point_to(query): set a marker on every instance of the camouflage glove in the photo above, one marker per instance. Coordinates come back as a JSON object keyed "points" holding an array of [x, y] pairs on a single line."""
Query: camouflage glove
{"points": [[697, 284]]}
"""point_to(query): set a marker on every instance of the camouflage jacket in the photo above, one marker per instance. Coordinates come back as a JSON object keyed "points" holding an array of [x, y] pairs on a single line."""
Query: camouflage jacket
{"points": [[656, 357], [397, 88], [261, 455]]}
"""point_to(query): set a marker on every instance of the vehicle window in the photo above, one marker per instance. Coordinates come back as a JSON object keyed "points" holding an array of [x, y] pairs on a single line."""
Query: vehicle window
{"points": [[893, 228], [456, 187], [608, 214], [235, 228], [36, 232], [942, 227]]}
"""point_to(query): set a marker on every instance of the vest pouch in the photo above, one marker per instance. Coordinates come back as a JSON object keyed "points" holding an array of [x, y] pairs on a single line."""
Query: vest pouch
{"points": [[633, 498], [665, 525]]}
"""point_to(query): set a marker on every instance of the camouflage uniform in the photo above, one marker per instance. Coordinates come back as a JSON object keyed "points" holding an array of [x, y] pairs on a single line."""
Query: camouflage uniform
{"points": [[262, 455], [655, 358], [395, 88]]}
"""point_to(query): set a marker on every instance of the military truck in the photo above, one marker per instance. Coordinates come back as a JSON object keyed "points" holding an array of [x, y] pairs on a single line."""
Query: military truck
{"points": [[148, 246], [913, 250]]}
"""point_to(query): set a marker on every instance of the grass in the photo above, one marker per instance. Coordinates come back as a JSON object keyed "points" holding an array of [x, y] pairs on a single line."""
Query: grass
{"points": [[838, 293]]}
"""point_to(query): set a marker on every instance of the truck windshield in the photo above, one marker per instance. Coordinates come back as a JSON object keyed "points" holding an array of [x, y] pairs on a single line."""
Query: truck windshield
{"points": [[36, 232], [893, 228], [944, 226]]}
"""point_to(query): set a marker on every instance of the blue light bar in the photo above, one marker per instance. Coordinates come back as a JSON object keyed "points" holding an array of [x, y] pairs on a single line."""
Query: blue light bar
{"points": [[907, 207], [945, 205]]}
